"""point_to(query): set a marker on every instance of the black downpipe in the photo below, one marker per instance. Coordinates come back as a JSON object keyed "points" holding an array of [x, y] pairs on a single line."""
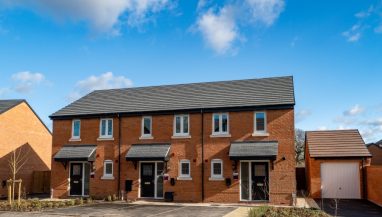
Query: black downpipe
{"points": [[119, 157], [202, 129]]}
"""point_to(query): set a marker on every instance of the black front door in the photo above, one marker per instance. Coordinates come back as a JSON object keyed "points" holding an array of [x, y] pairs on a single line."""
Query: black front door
{"points": [[76, 179], [147, 179], [260, 181]]}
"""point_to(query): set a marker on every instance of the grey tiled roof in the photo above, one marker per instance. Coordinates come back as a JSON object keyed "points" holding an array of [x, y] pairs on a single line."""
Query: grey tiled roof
{"points": [[76, 152], [148, 152], [5, 105], [224, 94], [253, 150]]}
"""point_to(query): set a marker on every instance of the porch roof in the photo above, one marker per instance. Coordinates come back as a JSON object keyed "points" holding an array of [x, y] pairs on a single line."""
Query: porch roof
{"points": [[139, 152], [253, 150], [76, 153]]}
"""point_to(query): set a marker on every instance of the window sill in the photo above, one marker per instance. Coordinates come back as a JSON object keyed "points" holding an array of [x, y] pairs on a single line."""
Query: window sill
{"points": [[181, 137], [105, 139], [260, 134], [107, 178], [216, 179], [220, 135], [146, 137], [185, 178], [75, 140]]}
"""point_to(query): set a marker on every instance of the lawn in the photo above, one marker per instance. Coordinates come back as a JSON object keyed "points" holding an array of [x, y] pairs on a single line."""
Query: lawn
{"points": [[267, 211]]}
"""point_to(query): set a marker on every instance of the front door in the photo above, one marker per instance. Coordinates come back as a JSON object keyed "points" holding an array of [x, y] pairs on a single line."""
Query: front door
{"points": [[260, 182], [147, 179], [76, 178]]}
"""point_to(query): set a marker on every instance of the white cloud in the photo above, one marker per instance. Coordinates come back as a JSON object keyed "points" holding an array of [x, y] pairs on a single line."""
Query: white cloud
{"points": [[302, 115], [322, 128], [220, 25], [265, 11], [26, 80], [104, 81], [355, 110], [353, 34], [102, 15], [219, 29]]}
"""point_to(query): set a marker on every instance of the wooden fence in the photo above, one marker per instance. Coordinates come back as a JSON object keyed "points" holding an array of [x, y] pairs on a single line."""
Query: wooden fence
{"points": [[374, 184], [41, 182]]}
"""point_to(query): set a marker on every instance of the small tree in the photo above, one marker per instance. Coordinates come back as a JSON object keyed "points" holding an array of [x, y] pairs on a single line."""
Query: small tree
{"points": [[16, 162], [299, 142]]}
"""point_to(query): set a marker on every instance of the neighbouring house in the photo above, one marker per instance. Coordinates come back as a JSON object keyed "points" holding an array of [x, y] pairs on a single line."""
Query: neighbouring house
{"points": [[376, 151], [224, 141], [22, 130], [335, 162]]}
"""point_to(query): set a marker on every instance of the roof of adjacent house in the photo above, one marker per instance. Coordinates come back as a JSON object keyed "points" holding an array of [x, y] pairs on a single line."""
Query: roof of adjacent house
{"points": [[378, 144], [336, 143], [5, 105], [277, 91]]}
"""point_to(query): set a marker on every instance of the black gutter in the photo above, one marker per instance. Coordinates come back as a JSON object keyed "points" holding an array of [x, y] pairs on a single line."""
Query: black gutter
{"points": [[119, 156], [202, 144]]}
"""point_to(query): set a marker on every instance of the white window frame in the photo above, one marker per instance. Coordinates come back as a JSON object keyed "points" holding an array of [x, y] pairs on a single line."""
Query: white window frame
{"points": [[214, 176], [79, 133], [260, 132], [108, 176], [220, 124], [143, 135], [106, 128], [184, 176], [181, 125]]}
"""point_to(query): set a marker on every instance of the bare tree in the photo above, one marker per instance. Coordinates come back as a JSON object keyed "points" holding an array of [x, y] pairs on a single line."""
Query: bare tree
{"points": [[16, 162], [299, 142]]}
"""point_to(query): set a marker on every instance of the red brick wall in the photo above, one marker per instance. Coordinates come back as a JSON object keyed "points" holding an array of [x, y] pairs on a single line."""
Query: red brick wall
{"points": [[374, 180], [280, 127], [19, 126], [377, 155]]}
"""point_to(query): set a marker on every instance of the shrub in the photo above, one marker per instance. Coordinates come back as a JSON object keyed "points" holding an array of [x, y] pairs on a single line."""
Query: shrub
{"points": [[114, 198], [89, 200], [266, 211], [108, 198]]}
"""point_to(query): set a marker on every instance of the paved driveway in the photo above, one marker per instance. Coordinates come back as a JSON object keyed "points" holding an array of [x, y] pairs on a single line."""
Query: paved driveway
{"points": [[124, 209], [352, 208]]}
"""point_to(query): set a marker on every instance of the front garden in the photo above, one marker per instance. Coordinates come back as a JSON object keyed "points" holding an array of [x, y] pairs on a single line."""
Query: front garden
{"points": [[38, 205], [268, 211]]}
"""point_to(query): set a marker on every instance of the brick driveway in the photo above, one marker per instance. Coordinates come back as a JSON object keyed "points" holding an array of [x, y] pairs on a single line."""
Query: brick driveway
{"points": [[133, 210]]}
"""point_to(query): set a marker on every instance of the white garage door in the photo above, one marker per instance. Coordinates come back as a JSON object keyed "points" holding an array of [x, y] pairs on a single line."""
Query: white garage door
{"points": [[340, 180]]}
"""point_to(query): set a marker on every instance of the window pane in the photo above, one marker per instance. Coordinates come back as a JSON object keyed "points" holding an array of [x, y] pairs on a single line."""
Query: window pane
{"points": [[244, 180], [147, 126], [260, 121], [108, 168], [177, 124], [160, 167], [224, 123], [217, 168], [185, 169], [147, 170], [216, 123], [110, 127], [86, 181], [260, 170], [76, 128], [103, 127], [185, 124]]}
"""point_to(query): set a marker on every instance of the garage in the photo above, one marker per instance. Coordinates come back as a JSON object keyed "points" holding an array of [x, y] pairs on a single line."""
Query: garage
{"points": [[334, 164], [340, 180]]}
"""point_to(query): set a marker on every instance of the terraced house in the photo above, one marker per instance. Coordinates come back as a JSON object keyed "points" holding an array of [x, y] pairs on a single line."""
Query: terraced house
{"points": [[227, 141]]}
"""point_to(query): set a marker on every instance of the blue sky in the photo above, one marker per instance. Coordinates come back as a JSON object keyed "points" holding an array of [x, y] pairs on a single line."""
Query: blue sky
{"points": [[52, 52]]}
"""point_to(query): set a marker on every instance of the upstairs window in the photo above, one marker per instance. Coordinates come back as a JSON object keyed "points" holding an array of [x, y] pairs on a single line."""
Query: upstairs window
{"points": [[260, 122], [184, 169], [220, 123], [181, 125], [146, 126], [216, 168], [76, 129], [106, 128]]}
